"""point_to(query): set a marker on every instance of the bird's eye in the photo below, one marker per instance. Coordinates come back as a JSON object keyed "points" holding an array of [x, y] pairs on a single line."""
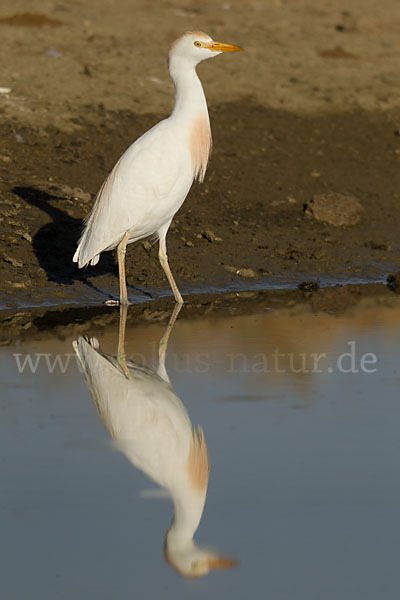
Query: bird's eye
{"points": [[198, 44]]}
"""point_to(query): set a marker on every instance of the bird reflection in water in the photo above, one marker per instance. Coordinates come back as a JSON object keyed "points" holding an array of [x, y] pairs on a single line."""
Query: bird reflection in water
{"points": [[151, 427]]}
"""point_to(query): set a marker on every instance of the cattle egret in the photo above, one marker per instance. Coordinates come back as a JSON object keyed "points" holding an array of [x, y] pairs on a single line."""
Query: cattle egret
{"points": [[152, 178], [150, 425]]}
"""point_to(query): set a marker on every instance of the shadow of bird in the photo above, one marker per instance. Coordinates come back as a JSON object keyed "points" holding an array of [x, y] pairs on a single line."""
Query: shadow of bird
{"points": [[54, 243]]}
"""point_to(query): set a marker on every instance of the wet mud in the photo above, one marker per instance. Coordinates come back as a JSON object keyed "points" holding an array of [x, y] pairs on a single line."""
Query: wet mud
{"points": [[42, 323], [249, 220], [304, 177]]}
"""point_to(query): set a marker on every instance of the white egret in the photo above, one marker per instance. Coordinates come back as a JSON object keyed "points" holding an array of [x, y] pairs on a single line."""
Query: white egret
{"points": [[152, 178], [150, 425]]}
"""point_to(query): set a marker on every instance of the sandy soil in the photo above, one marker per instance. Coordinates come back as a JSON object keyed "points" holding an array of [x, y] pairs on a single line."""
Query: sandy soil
{"points": [[311, 107]]}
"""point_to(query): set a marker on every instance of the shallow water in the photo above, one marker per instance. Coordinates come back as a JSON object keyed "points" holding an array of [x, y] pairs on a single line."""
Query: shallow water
{"points": [[300, 414], [90, 295]]}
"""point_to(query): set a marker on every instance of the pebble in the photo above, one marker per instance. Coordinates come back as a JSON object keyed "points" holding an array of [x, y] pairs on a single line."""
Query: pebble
{"points": [[13, 261], [335, 209], [393, 281], [16, 284], [230, 269], [24, 235], [309, 286], [209, 235], [243, 272], [146, 245], [248, 273]]}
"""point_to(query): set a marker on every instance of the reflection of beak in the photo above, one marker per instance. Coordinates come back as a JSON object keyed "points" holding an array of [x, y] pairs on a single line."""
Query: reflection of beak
{"points": [[221, 563], [220, 47]]}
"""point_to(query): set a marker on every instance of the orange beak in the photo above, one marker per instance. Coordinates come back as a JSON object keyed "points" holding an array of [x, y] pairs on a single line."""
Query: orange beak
{"points": [[221, 563], [220, 47]]}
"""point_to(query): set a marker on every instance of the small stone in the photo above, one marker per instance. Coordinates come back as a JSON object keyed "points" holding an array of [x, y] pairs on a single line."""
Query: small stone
{"points": [[189, 244], [146, 245], [247, 273], [16, 284], [24, 235], [230, 269], [209, 235], [393, 282], [335, 209], [309, 286], [13, 261]]}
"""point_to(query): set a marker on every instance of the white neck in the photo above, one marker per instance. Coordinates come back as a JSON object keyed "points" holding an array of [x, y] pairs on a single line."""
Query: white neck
{"points": [[190, 113], [189, 98], [188, 508]]}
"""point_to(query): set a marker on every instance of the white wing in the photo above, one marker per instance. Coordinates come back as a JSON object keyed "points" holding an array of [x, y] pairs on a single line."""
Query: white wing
{"points": [[143, 415], [143, 191]]}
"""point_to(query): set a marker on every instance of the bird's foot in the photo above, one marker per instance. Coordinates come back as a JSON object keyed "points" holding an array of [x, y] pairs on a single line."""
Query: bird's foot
{"points": [[114, 302]]}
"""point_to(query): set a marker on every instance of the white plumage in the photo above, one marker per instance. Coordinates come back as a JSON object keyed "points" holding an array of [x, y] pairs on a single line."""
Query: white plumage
{"points": [[150, 425], [151, 180]]}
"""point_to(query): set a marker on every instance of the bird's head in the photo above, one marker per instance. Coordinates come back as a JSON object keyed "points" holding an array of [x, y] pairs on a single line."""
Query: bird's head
{"points": [[195, 561], [195, 46]]}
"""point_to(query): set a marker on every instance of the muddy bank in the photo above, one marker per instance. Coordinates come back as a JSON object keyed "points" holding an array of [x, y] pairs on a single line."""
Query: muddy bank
{"points": [[308, 113], [42, 323], [247, 221]]}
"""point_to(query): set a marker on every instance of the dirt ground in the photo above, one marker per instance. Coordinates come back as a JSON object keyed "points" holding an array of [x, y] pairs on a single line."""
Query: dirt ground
{"points": [[311, 107]]}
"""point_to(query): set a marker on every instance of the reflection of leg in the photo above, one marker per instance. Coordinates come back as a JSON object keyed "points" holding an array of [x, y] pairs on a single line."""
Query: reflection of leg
{"points": [[121, 251], [162, 255], [123, 313], [162, 348]]}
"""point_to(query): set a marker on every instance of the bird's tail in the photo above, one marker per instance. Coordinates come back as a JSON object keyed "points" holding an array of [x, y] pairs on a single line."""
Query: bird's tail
{"points": [[79, 256]]}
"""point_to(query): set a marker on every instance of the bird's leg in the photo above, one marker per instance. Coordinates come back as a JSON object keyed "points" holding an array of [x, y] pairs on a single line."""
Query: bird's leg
{"points": [[162, 348], [121, 251], [121, 358], [162, 255]]}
